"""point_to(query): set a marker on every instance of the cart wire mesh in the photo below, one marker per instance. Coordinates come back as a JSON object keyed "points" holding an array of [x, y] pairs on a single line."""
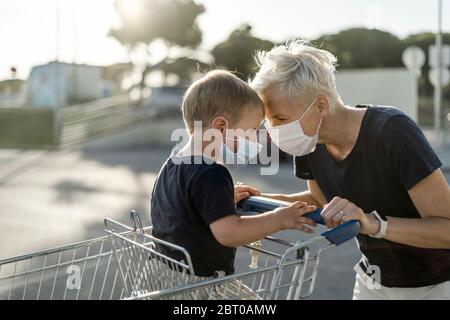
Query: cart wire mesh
{"points": [[84, 270]]}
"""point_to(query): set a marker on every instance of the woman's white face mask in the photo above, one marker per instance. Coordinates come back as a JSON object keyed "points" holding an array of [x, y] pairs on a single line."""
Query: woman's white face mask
{"points": [[291, 138]]}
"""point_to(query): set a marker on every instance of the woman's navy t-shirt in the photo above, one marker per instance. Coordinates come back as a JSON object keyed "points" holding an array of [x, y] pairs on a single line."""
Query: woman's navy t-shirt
{"points": [[391, 155], [190, 194]]}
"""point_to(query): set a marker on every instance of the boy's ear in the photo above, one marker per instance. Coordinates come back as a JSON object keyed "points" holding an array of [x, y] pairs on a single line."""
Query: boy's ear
{"points": [[220, 123]]}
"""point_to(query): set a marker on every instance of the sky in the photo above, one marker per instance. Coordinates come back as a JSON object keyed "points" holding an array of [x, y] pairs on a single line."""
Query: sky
{"points": [[28, 34]]}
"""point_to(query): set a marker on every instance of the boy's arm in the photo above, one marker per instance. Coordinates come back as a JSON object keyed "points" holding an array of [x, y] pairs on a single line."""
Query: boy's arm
{"points": [[233, 231]]}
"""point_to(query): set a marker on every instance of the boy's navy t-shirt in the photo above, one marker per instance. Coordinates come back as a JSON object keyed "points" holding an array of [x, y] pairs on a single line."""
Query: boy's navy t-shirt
{"points": [[391, 155], [190, 194]]}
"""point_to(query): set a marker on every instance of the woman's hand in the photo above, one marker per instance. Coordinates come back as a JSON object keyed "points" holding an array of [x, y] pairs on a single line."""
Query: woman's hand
{"points": [[242, 191], [292, 217], [339, 210]]}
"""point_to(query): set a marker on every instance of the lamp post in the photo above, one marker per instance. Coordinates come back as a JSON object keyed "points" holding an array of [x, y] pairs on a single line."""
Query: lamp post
{"points": [[57, 29], [438, 87], [56, 109], [439, 59]]}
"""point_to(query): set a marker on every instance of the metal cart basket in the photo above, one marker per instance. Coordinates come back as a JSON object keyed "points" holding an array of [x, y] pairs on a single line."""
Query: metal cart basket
{"points": [[130, 263]]}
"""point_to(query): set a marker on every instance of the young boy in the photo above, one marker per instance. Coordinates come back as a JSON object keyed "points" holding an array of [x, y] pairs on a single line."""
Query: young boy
{"points": [[193, 202]]}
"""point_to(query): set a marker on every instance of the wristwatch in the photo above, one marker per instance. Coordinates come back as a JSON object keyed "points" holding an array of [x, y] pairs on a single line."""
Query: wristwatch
{"points": [[383, 225]]}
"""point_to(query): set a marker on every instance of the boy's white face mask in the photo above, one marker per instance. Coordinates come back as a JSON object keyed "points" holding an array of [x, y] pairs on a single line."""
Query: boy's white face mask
{"points": [[246, 151], [291, 138]]}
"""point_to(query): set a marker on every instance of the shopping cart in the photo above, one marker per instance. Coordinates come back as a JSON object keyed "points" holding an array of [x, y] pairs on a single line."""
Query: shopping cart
{"points": [[83, 270], [130, 263]]}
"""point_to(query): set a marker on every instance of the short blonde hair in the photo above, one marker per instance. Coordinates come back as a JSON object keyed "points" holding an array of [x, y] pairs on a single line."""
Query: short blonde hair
{"points": [[218, 92], [299, 69]]}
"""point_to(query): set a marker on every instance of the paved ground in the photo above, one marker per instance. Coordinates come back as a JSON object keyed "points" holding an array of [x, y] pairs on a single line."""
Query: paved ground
{"points": [[53, 198]]}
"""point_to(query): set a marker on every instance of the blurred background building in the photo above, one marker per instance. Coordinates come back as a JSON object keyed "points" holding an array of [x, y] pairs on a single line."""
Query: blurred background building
{"points": [[58, 84]]}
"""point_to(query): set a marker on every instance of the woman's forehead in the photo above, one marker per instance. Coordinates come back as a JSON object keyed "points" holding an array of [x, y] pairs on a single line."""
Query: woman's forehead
{"points": [[253, 118], [275, 101]]}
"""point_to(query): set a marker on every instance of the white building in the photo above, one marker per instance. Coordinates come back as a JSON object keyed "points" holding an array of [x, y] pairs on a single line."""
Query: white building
{"points": [[59, 84], [393, 87]]}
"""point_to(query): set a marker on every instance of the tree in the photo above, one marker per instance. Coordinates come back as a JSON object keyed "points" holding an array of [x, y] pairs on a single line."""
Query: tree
{"points": [[172, 21], [185, 68], [237, 52], [364, 48], [424, 40]]}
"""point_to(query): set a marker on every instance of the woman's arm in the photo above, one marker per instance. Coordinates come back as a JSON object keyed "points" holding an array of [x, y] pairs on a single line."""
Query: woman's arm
{"points": [[311, 196], [431, 196]]}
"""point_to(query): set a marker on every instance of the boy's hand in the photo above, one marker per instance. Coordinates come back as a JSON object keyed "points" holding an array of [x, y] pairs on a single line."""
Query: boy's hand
{"points": [[242, 191], [292, 217]]}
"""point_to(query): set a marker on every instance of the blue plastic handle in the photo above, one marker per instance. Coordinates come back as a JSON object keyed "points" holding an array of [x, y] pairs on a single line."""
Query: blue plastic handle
{"points": [[261, 204], [337, 235], [343, 232]]}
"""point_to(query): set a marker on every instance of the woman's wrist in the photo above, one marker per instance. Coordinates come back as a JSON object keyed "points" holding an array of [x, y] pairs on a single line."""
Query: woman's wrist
{"points": [[277, 196], [373, 225]]}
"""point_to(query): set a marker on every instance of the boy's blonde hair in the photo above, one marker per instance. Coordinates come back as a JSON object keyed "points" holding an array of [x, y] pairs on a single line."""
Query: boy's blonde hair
{"points": [[218, 92]]}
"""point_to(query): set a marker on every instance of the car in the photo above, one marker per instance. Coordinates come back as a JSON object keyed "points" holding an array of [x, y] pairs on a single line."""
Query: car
{"points": [[165, 101]]}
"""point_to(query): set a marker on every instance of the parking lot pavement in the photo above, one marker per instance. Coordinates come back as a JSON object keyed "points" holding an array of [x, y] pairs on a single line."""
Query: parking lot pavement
{"points": [[50, 198]]}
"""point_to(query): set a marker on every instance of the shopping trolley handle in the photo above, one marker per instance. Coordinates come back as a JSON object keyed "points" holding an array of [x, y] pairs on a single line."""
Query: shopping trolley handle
{"points": [[337, 235], [260, 204], [342, 233]]}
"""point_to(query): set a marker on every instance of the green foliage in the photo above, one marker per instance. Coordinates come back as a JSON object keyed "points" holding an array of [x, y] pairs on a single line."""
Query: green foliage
{"points": [[173, 21], [364, 48], [183, 67], [425, 40], [25, 128], [236, 53], [11, 86]]}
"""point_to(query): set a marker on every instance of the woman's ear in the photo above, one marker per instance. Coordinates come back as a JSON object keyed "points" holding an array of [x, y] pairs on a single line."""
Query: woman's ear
{"points": [[323, 105]]}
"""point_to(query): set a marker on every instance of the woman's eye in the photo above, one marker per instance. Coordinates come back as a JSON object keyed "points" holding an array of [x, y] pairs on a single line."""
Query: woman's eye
{"points": [[280, 118]]}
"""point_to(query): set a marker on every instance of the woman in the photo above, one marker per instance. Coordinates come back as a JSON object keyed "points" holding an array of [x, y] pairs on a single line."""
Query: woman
{"points": [[369, 163]]}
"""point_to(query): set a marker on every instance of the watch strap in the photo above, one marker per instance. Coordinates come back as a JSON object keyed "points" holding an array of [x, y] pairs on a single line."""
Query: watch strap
{"points": [[383, 226]]}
